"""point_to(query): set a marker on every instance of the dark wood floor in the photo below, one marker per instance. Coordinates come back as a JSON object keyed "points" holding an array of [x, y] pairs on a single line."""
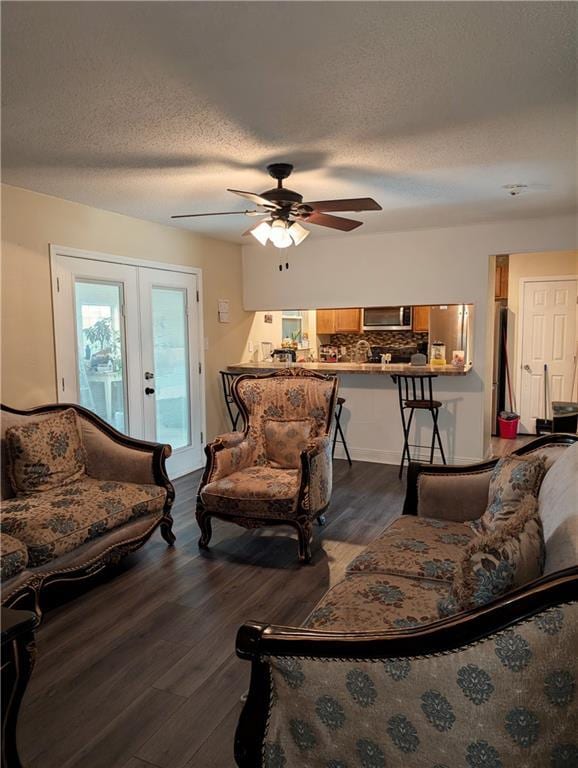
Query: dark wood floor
{"points": [[140, 670]]}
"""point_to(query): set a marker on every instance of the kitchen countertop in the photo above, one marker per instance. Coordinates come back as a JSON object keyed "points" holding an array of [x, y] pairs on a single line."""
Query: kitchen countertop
{"points": [[355, 368]]}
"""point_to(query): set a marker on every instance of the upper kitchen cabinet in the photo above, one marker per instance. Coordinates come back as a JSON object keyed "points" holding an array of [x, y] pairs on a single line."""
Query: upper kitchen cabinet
{"points": [[325, 321], [502, 269], [339, 321], [420, 320], [348, 321]]}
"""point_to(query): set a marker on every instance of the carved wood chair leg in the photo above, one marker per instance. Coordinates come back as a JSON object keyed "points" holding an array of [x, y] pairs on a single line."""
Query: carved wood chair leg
{"points": [[167, 529], [304, 534], [204, 521]]}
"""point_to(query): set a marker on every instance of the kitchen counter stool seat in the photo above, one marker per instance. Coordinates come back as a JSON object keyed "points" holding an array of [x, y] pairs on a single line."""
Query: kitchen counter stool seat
{"points": [[416, 394], [424, 405]]}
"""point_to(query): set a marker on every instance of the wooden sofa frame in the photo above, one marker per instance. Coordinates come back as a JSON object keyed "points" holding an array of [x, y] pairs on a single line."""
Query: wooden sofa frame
{"points": [[28, 594]]}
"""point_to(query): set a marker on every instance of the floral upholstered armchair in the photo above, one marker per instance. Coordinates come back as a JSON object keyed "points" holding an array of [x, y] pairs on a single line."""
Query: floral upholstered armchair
{"points": [[278, 471]]}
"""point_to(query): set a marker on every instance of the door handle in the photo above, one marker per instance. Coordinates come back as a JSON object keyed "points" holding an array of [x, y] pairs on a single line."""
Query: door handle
{"points": [[527, 368], [149, 391], [149, 375]]}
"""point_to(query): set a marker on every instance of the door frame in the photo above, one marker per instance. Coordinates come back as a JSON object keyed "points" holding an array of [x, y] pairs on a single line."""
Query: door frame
{"points": [[78, 253], [520, 323]]}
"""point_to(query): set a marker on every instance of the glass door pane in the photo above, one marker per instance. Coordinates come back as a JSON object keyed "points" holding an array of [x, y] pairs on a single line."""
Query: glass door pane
{"points": [[171, 366], [101, 351]]}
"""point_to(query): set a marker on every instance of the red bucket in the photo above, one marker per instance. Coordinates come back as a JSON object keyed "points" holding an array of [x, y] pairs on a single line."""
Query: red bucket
{"points": [[508, 428]]}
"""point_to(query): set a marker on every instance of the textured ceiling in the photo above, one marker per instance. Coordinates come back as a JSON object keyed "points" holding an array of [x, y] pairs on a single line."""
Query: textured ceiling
{"points": [[155, 108]]}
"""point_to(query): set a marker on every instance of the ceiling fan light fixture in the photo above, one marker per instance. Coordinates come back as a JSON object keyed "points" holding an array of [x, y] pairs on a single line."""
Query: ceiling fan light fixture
{"points": [[298, 233], [262, 233], [279, 234]]}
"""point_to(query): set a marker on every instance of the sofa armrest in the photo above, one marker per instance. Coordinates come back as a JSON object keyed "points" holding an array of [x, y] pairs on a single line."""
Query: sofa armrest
{"points": [[304, 682], [226, 454], [316, 475], [457, 493], [111, 455]]}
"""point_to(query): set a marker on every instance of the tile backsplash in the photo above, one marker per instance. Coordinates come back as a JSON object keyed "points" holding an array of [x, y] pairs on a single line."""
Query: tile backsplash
{"points": [[393, 339]]}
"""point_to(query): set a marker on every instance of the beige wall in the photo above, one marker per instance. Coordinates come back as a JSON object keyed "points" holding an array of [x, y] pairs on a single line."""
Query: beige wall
{"points": [[31, 222], [546, 264]]}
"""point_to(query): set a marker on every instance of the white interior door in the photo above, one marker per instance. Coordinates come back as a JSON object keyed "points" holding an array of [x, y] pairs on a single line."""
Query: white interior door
{"points": [[128, 348], [171, 365], [548, 337]]}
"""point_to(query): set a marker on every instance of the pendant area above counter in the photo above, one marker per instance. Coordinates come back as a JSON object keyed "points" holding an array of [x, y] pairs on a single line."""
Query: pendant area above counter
{"points": [[352, 368]]}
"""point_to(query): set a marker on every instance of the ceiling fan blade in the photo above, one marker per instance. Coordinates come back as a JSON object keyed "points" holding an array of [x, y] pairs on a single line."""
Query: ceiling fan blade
{"points": [[333, 222], [352, 204], [217, 213], [256, 199]]}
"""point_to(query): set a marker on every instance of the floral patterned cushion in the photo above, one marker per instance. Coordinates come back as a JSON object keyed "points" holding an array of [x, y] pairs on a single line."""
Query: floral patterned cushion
{"points": [[13, 556], [254, 492], [513, 478], [286, 397], [45, 454], [506, 701], [57, 521], [371, 601], [496, 562], [417, 547], [285, 440]]}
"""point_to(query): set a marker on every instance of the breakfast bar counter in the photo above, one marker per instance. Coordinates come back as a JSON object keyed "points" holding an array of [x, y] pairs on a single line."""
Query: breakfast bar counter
{"points": [[353, 368], [371, 418]]}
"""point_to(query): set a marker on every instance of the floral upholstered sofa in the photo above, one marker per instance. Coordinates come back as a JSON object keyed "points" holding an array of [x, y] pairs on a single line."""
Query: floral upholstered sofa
{"points": [[376, 679], [76, 496]]}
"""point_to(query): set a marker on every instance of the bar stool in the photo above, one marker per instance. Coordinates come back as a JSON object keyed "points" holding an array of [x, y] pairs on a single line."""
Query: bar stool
{"points": [[338, 429], [227, 380], [414, 396]]}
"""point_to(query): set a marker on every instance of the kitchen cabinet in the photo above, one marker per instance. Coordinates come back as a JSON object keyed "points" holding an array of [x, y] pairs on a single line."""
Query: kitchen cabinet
{"points": [[325, 321], [348, 321], [420, 320], [339, 320], [502, 268]]}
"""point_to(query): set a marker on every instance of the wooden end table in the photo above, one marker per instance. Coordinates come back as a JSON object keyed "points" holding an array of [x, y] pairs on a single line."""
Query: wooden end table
{"points": [[18, 653]]}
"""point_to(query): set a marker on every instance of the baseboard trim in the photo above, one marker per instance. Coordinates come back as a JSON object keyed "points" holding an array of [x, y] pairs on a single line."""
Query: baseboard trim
{"points": [[394, 457]]}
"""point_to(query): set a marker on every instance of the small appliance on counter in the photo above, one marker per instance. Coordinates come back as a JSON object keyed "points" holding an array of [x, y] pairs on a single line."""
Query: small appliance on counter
{"points": [[328, 354], [438, 353], [284, 355]]}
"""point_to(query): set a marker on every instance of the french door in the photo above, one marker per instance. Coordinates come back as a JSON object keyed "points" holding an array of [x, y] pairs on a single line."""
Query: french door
{"points": [[128, 348]]}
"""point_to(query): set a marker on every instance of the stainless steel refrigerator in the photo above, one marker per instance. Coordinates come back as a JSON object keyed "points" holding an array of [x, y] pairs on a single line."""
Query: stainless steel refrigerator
{"points": [[452, 325]]}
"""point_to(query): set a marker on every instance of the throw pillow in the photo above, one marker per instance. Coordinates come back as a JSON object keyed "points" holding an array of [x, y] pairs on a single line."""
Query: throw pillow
{"points": [[558, 501], [513, 478], [284, 441], [45, 454], [496, 562]]}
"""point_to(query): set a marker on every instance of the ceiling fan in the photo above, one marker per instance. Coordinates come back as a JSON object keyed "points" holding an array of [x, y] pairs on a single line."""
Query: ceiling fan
{"points": [[285, 210]]}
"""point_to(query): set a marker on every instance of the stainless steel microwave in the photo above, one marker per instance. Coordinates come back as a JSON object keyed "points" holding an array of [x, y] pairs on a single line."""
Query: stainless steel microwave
{"points": [[387, 319]]}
